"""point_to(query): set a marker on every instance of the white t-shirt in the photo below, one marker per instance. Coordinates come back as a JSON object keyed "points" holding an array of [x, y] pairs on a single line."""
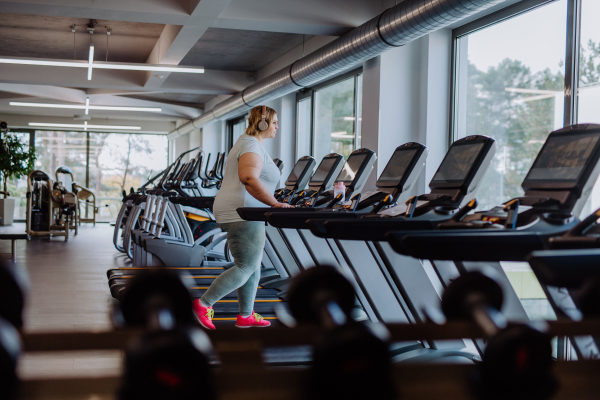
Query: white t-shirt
{"points": [[233, 193]]}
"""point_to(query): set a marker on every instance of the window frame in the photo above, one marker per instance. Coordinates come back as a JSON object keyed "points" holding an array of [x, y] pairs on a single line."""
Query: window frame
{"points": [[311, 92], [230, 123], [571, 58]]}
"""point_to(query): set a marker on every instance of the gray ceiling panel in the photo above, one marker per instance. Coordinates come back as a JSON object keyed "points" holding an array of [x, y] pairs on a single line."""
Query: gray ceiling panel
{"points": [[240, 50]]}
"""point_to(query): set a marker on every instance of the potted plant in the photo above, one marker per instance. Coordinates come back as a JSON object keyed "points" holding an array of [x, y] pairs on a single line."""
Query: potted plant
{"points": [[16, 160]]}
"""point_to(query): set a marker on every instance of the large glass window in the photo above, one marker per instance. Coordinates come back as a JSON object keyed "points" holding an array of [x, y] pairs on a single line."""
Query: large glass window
{"points": [[510, 80], [334, 119], [510, 86], [589, 77], [117, 162], [328, 117]]}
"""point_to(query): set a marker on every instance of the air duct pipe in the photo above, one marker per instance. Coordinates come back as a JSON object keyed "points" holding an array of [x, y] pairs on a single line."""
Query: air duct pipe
{"points": [[395, 27]]}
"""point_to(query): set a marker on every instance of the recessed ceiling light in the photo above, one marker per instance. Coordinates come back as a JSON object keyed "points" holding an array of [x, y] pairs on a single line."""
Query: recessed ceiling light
{"points": [[83, 107]]}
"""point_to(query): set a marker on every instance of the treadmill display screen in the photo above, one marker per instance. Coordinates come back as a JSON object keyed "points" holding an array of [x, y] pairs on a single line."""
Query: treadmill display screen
{"points": [[457, 163], [323, 170], [563, 158], [348, 173], [297, 171], [396, 168]]}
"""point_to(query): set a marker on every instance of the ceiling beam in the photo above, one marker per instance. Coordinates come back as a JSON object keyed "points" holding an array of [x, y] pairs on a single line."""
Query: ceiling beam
{"points": [[154, 11], [310, 17], [176, 41]]}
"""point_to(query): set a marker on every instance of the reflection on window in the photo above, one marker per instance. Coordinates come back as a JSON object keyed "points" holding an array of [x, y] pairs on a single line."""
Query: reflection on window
{"points": [[510, 86], [334, 119], [120, 162], [589, 78], [303, 127]]}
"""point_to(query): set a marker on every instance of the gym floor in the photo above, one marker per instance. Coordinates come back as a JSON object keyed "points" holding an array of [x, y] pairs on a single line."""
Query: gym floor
{"points": [[69, 292]]}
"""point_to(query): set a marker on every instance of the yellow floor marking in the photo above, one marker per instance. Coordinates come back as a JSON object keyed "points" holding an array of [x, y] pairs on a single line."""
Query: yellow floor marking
{"points": [[235, 319], [137, 268], [206, 287], [256, 301], [185, 277]]}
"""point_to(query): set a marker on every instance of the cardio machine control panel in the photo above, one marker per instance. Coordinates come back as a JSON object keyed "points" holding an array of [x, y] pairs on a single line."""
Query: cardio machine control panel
{"points": [[556, 187], [455, 182]]}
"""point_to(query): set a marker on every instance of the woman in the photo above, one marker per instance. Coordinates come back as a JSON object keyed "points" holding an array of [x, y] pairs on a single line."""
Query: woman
{"points": [[250, 179]]}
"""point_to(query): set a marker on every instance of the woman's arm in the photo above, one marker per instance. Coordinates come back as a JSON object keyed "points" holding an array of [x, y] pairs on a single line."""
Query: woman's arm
{"points": [[249, 167]]}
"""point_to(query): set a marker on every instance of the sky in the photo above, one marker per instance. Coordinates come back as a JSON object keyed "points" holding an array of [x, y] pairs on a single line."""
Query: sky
{"points": [[537, 38]]}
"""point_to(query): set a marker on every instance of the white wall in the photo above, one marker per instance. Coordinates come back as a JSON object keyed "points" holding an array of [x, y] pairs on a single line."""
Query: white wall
{"points": [[406, 98]]}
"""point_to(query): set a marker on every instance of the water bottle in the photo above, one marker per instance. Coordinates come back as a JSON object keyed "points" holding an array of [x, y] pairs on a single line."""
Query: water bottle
{"points": [[339, 188]]}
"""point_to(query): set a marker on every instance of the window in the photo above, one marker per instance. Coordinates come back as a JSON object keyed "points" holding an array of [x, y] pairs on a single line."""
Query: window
{"points": [[510, 86], [303, 127], [120, 162], [328, 117], [235, 128], [106, 163], [589, 79]]}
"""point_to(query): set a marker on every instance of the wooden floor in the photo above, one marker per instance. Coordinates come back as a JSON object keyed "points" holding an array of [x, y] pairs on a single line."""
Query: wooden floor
{"points": [[69, 292]]}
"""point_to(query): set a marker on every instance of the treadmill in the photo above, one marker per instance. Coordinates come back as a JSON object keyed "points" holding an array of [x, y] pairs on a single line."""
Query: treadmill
{"points": [[556, 189], [468, 159], [283, 257], [202, 275], [569, 279], [354, 175], [396, 182]]}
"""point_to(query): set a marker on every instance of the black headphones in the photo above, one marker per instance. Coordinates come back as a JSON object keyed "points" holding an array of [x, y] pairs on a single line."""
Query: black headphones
{"points": [[263, 125]]}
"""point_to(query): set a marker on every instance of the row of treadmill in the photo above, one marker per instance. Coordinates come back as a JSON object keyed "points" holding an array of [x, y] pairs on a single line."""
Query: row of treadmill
{"points": [[400, 249]]}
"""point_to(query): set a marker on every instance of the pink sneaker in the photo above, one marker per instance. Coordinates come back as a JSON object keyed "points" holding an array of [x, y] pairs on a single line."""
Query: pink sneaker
{"points": [[254, 320], [204, 315]]}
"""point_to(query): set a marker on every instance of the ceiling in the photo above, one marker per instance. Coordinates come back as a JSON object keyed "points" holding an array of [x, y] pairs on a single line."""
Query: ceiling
{"points": [[241, 50], [229, 38]]}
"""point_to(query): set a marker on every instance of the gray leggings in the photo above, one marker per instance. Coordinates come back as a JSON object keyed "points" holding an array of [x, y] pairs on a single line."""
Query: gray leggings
{"points": [[246, 241]]}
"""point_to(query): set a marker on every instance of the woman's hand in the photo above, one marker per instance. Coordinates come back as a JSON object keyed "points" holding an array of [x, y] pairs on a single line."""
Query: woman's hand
{"points": [[282, 205]]}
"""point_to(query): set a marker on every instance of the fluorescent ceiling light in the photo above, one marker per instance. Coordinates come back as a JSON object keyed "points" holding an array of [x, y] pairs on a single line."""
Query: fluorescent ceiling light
{"points": [[83, 107], [90, 61], [102, 65], [150, 67], [86, 126], [87, 105]]}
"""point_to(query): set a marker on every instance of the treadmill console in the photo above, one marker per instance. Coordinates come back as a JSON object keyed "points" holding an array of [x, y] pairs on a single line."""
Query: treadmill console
{"points": [[357, 169], [328, 169], [462, 169], [301, 173], [403, 169], [566, 168], [556, 187]]}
